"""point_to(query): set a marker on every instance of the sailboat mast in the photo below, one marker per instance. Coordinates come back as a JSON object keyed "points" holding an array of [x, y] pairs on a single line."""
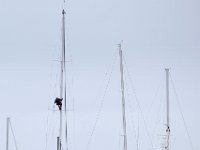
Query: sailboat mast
{"points": [[7, 133], [123, 99], [167, 101], [62, 66], [59, 100]]}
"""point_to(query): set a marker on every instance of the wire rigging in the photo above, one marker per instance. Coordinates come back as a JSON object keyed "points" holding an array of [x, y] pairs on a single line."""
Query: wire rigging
{"points": [[140, 109], [155, 96], [131, 109], [101, 103], [15, 141], [181, 112]]}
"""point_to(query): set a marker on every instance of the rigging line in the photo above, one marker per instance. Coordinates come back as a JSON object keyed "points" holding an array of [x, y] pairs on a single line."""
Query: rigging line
{"points": [[158, 109], [73, 99], [68, 52], [70, 86], [155, 96], [66, 132], [132, 115], [101, 103], [66, 125], [129, 104], [65, 87], [181, 112], [140, 109], [54, 76], [158, 112], [13, 135]]}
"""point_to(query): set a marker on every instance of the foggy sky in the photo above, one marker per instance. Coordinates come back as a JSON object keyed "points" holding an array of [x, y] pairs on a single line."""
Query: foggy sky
{"points": [[156, 34]]}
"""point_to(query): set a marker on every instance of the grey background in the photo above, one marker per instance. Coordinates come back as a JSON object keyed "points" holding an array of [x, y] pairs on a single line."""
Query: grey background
{"points": [[155, 33]]}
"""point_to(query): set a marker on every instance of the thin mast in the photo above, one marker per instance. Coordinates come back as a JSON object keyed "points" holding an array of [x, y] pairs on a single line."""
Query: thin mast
{"points": [[62, 71], [7, 133], [167, 101], [123, 99], [63, 55], [62, 66], [58, 101]]}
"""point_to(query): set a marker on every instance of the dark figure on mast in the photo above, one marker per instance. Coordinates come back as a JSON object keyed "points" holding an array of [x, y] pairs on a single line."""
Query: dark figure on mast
{"points": [[58, 102]]}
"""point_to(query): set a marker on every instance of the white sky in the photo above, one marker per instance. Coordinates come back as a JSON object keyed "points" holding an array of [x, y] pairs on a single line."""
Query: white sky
{"points": [[156, 34]]}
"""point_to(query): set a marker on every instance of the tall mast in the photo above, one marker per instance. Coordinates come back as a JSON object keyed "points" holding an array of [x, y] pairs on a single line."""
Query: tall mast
{"points": [[167, 101], [59, 100], [7, 133], [123, 99], [62, 64]]}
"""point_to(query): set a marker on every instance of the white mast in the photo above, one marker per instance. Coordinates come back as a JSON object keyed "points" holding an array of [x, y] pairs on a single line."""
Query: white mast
{"points": [[62, 66], [7, 133], [59, 100], [123, 99], [167, 100]]}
